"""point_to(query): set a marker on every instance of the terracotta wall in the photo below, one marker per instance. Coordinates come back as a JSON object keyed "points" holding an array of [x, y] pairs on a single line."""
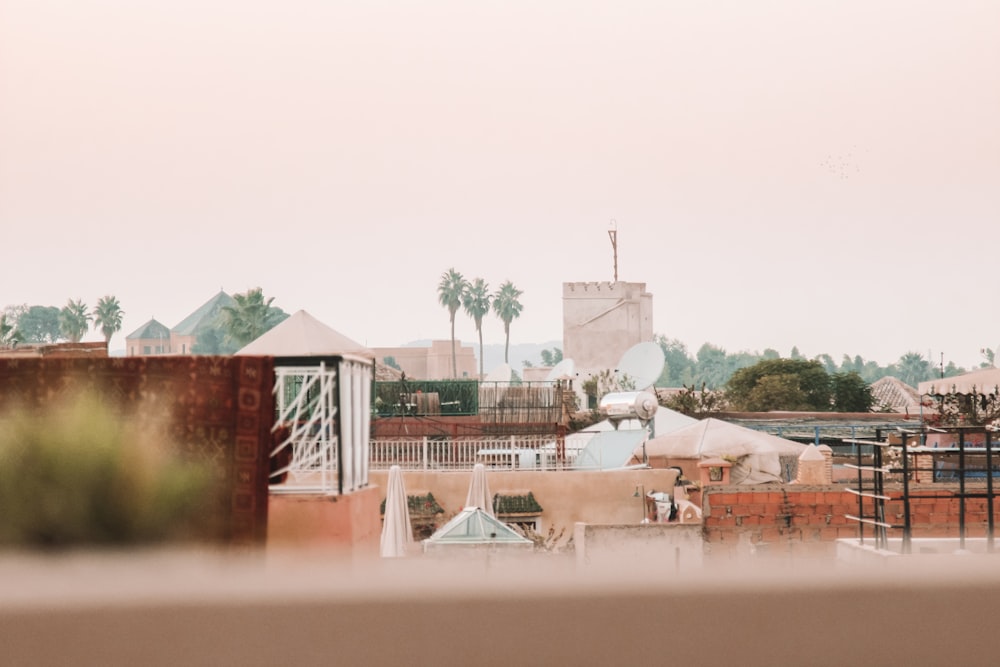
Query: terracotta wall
{"points": [[348, 524], [807, 519]]}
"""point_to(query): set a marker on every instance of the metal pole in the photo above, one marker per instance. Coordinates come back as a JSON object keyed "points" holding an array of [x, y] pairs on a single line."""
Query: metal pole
{"points": [[906, 499], [989, 492], [861, 498], [961, 488]]}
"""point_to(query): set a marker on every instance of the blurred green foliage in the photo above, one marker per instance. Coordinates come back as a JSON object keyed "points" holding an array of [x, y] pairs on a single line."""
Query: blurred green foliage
{"points": [[81, 474]]}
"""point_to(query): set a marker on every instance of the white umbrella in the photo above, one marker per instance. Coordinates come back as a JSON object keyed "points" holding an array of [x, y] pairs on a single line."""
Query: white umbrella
{"points": [[479, 491], [397, 535]]}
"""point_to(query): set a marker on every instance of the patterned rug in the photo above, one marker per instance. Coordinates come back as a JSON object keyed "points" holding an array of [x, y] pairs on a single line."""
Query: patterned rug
{"points": [[217, 409]]}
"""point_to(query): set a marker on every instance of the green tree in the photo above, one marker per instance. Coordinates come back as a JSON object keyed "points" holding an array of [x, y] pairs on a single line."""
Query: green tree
{"points": [[508, 308], [211, 341], [551, 357], [712, 368], [678, 366], [694, 403], [476, 301], [851, 393], [249, 317], [108, 316], [912, 368], [74, 320], [6, 331], [780, 384], [451, 288], [829, 365], [39, 324]]}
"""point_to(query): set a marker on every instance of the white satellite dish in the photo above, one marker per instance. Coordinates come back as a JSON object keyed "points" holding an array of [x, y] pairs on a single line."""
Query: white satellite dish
{"points": [[640, 366], [501, 373], [564, 370]]}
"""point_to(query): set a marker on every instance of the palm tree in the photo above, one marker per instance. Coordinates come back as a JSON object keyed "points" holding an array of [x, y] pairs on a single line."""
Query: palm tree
{"points": [[108, 316], [74, 320], [913, 368], [476, 301], [507, 308], [451, 290], [249, 317]]}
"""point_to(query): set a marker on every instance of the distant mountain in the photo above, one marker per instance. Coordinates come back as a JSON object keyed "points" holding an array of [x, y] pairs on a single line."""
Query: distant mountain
{"points": [[493, 354]]}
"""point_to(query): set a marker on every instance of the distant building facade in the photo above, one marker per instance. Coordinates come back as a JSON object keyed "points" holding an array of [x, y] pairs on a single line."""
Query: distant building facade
{"points": [[433, 362], [154, 338], [602, 320]]}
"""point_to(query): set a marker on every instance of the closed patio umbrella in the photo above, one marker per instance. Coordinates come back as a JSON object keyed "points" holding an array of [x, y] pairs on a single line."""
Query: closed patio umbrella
{"points": [[397, 535], [479, 491]]}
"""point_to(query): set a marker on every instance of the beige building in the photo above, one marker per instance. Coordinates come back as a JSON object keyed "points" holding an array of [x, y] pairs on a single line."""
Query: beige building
{"points": [[432, 362], [154, 337], [601, 321]]}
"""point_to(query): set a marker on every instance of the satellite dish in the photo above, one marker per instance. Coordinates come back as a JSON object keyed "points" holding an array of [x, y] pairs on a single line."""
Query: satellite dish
{"points": [[640, 366], [564, 370], [501, 373]]}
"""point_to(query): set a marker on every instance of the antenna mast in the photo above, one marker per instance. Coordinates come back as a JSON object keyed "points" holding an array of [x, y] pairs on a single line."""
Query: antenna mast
{"points": [[613, 234]]}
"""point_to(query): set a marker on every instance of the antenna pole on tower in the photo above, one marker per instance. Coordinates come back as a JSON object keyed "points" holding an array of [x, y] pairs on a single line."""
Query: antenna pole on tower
{"points": [[613, 234]]}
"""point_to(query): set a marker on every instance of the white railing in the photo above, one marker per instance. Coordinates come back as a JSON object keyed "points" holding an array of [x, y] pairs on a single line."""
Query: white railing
{"points": [[516, 452]]}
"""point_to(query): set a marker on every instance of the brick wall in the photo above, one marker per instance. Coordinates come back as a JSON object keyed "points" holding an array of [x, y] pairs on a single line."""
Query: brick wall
{"points": [[806, 520]]}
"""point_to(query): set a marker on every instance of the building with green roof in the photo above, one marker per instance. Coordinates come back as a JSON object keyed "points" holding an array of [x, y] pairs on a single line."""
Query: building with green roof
{"points": [[184, 336], [151, 338]]}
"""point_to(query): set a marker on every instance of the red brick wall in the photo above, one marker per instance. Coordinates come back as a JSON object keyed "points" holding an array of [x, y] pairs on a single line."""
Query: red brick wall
{"points": [[807, 520]]}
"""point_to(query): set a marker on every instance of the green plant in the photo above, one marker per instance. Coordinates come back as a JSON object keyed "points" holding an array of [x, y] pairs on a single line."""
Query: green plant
{"points": [[78, 474]]}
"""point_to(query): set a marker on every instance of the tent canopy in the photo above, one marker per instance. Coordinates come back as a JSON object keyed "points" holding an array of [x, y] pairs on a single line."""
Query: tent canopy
{"points": [[985, 381], [302, 335], [757, 454]]}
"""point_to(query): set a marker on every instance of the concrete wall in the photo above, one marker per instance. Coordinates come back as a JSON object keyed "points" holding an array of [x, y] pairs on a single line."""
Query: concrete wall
{"points": [[155, 609], [807, 520], [602, 320], [347, 524], [567, 497], [666, 547]]}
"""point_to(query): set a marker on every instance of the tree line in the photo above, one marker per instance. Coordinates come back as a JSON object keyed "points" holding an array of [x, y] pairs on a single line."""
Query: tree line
{"points": [[712, 366], [49, 324], [474, 296], [234, 326]]}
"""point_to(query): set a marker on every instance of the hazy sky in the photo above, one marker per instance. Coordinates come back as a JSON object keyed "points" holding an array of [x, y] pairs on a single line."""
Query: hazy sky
{"points": [[810, 173]]}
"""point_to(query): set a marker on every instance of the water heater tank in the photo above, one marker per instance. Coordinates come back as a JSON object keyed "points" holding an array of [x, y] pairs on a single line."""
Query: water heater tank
{"points": [[639, 405]]}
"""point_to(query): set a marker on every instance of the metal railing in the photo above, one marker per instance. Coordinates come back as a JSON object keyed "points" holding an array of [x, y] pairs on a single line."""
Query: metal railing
{"points": [[516, 452], [493, 401]]}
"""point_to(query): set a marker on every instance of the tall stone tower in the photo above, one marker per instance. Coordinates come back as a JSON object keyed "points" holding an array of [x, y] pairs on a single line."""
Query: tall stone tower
{"points": [[601, 320]]}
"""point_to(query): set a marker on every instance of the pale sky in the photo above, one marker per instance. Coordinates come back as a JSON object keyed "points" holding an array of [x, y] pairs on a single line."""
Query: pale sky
{"points": [[805, 173]]}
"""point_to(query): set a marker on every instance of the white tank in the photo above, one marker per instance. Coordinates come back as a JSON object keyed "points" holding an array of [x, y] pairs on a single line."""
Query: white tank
{"points": [[621, 405]]}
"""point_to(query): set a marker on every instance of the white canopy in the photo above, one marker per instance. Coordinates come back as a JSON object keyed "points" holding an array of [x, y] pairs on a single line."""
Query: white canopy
{"points": [[985, 381], [757, 454], [302, 335]]}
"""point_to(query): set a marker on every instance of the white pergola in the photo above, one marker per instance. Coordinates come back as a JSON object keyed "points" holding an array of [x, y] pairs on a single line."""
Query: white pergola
{"points": [[322, 392]]}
